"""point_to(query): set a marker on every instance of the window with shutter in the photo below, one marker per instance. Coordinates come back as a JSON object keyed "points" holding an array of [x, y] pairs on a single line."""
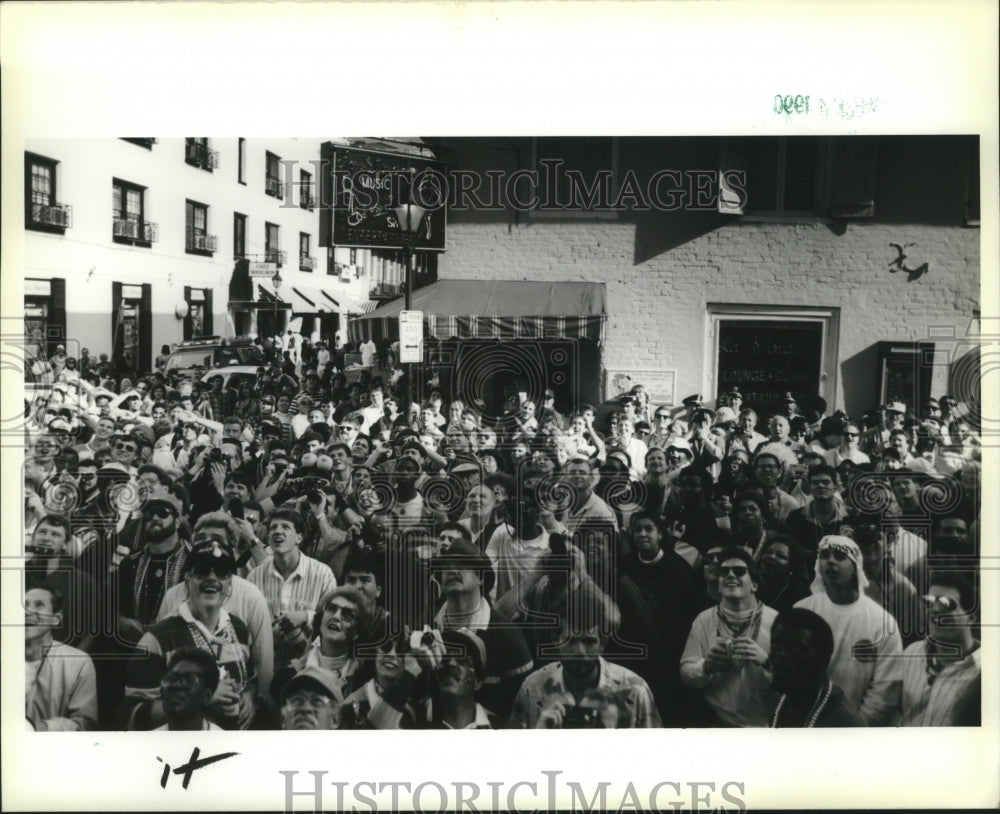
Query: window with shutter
{"points": [[577, 176]]}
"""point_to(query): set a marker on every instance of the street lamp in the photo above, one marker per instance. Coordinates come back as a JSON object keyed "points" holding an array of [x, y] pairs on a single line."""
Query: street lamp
{"points": [[410, 216], [276, 282]]}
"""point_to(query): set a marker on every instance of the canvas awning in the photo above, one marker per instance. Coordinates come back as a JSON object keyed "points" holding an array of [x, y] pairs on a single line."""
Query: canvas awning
{"points": [[494, 309], [308, 300]]}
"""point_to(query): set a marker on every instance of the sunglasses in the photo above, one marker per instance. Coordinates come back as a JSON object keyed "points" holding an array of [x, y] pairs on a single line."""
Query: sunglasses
{"points": [[222, 570], [946, 602], [186, 680], [738, 571], [126, 447], [157, 511], [347, 614]]}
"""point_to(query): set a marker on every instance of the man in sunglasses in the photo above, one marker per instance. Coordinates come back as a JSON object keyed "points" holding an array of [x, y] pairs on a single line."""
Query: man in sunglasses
{"points": [[940, 671], [156, 565], [848, 449], [867, 645], [186, 691]]}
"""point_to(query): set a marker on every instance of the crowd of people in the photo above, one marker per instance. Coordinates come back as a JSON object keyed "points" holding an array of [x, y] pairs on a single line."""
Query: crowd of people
{"points": [[301, 552]]}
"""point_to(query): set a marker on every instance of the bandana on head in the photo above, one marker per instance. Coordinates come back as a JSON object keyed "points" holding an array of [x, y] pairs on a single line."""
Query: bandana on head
{"points": [[850, 548]]}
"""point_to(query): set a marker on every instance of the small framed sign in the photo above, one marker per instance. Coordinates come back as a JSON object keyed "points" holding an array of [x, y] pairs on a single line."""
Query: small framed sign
{"points": [[658, 383]]}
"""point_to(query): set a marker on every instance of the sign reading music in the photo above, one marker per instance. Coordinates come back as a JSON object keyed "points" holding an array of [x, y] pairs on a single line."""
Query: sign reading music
{"points": [[363, 187]]}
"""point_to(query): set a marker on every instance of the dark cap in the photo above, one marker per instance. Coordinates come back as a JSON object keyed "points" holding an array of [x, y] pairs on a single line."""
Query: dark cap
{"points": [[212, 550], [694, 400], [467, 556]]}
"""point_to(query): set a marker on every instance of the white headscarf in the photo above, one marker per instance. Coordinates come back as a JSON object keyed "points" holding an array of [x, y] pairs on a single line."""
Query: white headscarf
{"points": [[850, 548]]}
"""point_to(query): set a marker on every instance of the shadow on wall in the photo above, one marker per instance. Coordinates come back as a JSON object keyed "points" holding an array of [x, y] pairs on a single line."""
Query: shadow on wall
{"points": [[859, 380], [660, 232]]}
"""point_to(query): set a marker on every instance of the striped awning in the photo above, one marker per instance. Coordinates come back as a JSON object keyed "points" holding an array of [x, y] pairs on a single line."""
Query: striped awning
{"points": [[494, 309], [307, 300]]}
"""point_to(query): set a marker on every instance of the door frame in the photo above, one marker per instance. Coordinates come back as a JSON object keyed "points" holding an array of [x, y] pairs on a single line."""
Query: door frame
{"points": [[828, 317]]}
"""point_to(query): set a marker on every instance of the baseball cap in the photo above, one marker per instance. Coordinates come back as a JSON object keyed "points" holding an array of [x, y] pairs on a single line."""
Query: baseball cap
{"points": [[59, 425], [464, 463], [465, 555], [212, 550], [895, 407], [313, 678], [682, 445], [60, 347], [463, 642], [142, 434]]}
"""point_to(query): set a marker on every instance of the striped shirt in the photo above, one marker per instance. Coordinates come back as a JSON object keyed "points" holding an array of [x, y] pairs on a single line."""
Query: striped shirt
{"points": [[301, 590], [927, 704]]}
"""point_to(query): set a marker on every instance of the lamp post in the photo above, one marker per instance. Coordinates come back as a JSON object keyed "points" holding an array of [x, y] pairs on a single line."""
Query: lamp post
{"points": [[410, 216], [276, 282]]}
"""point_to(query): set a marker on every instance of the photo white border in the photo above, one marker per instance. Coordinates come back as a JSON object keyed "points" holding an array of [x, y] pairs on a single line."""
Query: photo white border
{"points": [[480, 68]]}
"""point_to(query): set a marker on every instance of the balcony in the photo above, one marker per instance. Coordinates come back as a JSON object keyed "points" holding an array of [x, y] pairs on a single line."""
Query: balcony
{"points": [[385, 291], [49, 217], [274, 188], [127, 230], [201, 243], [274, 256], [197, 154], [307, 263], [142, 142]]}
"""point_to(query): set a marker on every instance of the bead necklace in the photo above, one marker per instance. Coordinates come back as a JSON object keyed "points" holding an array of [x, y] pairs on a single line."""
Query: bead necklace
{"points": [[817, 708]]}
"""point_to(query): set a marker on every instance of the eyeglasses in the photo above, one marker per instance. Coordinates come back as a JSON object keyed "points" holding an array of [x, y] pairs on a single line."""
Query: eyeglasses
{"points": [[314, 701], [157, 511], [222, 570], [186, 680], [947, 603], [738, 571], [347, 614], [126, 447]]}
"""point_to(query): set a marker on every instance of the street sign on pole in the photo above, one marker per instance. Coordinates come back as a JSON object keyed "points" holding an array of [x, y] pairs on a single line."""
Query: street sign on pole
{"points": [[411, 336], [263, 269]]}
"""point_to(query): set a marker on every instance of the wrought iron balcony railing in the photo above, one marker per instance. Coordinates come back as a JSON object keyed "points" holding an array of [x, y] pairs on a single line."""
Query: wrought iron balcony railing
{"points": [[274, 187], [198, 154], [384, 291], [201, 242], [307, 263], [51, 215], [142, 231], [274, 256]]}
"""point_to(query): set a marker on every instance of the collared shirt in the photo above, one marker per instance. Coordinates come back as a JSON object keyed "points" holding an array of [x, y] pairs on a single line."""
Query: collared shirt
{"points": [[207, 726], [546, 685], [61, 690], [926, 704], [481, 721], [300, 590], [480, 619], [513, 557], [835, 456]]}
